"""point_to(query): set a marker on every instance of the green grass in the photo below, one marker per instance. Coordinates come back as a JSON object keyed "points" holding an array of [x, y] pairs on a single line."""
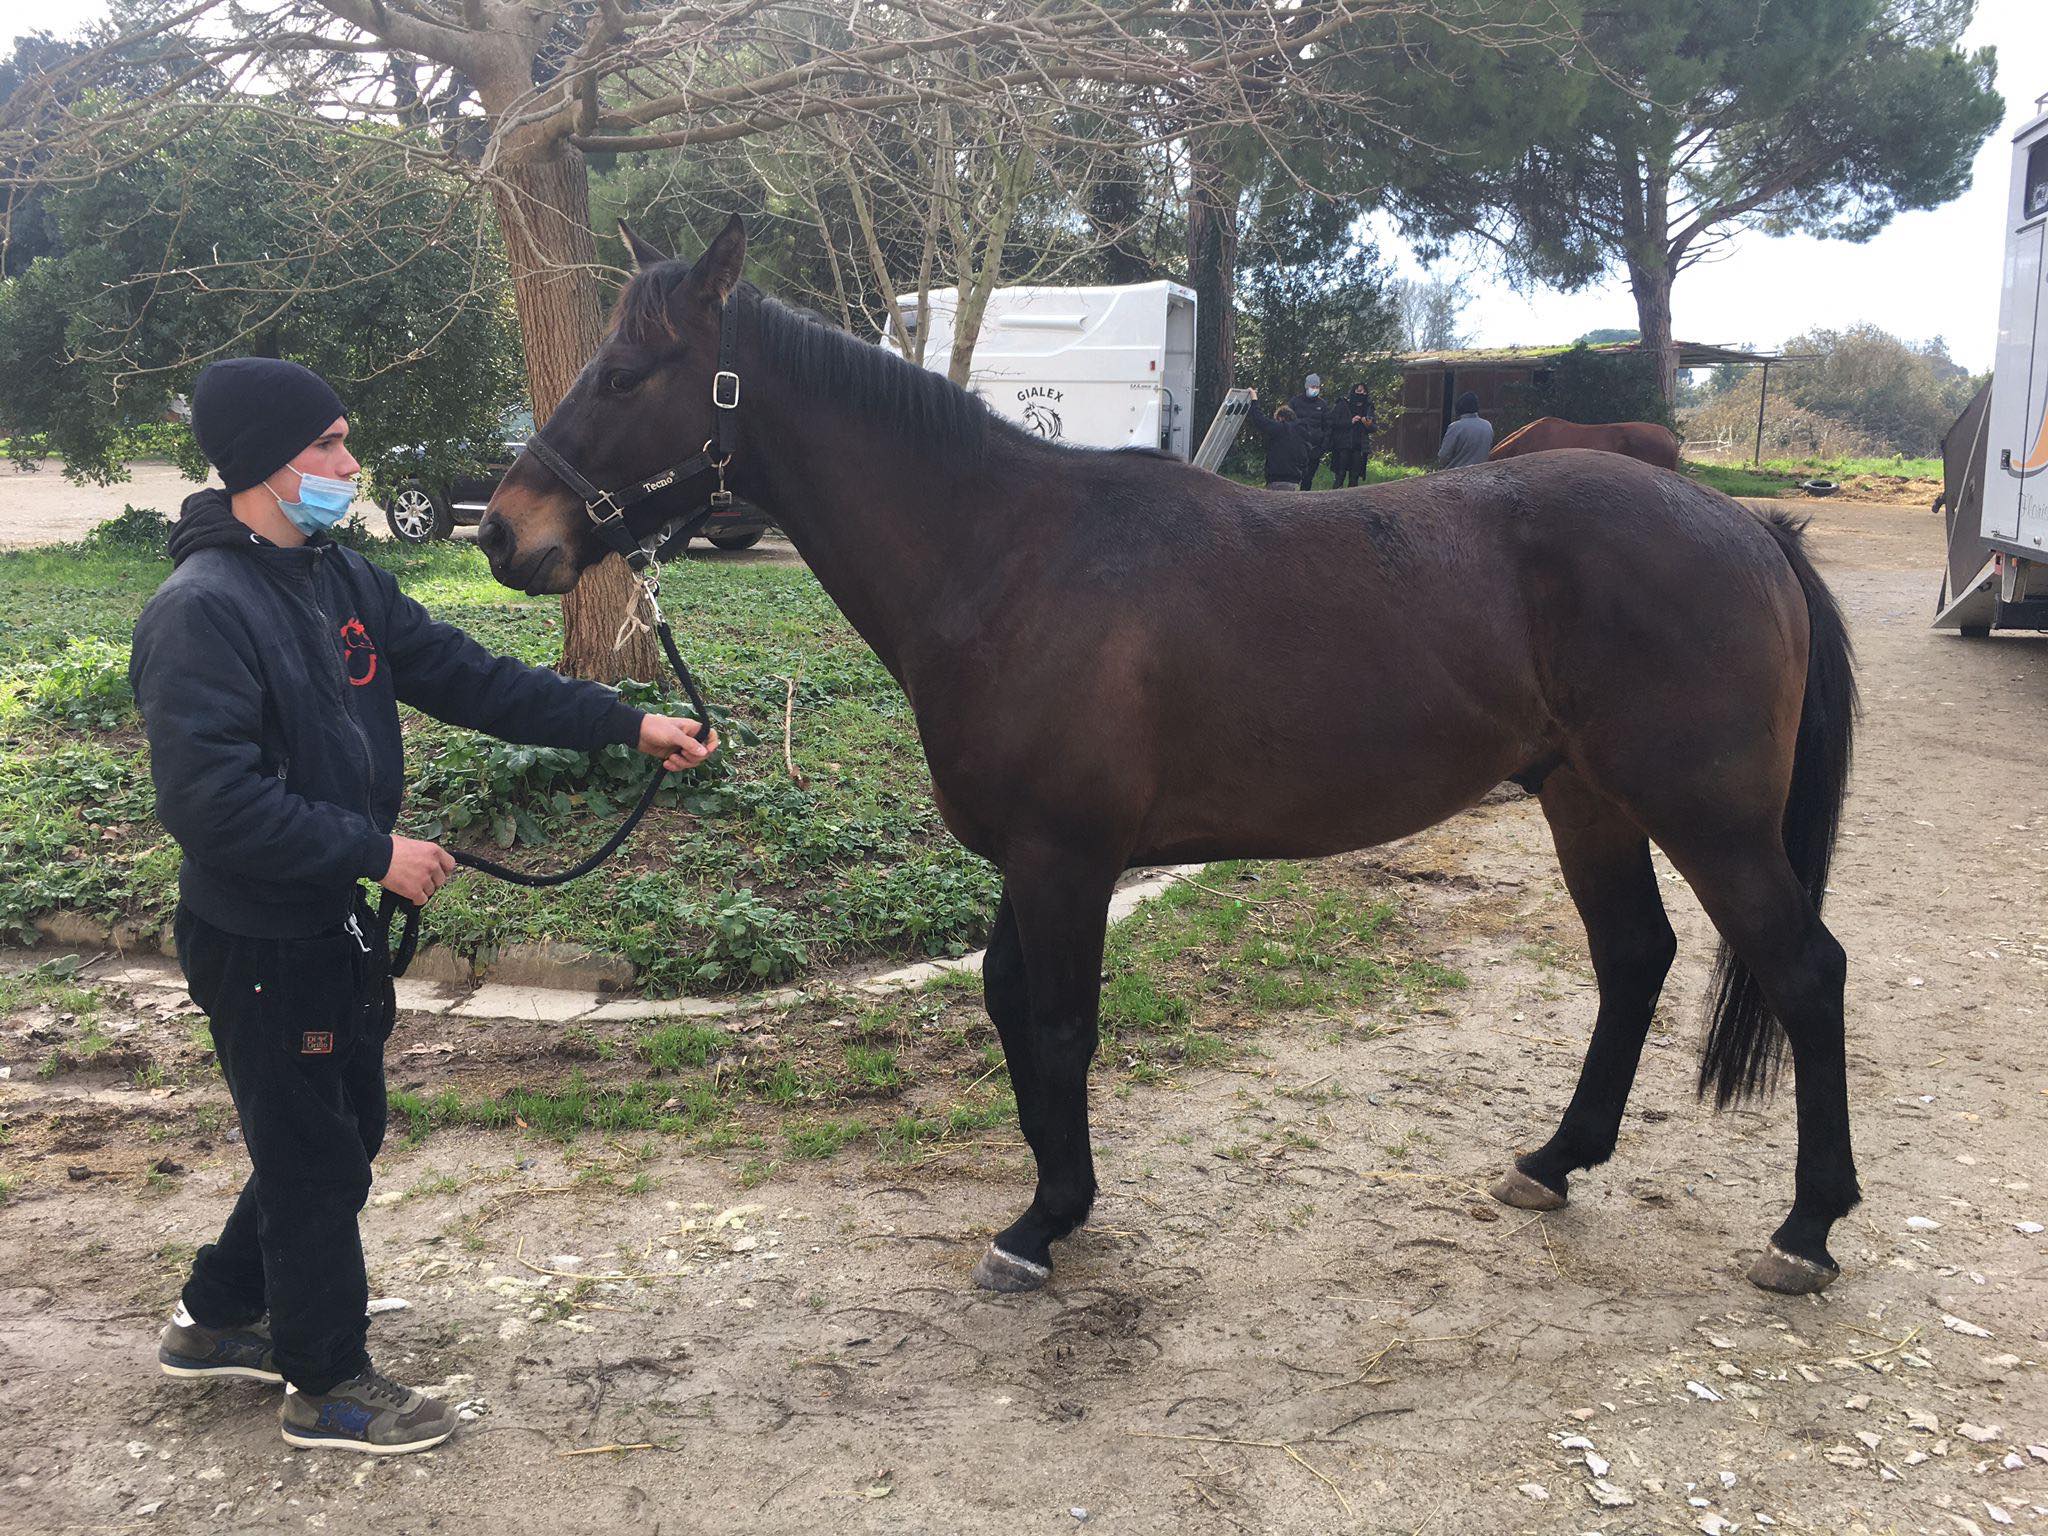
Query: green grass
{"points": [[50, 985], [738, 878], [676, 1046], [825, 1138], [1781, 477], [1284, 946], [873, 1067]]}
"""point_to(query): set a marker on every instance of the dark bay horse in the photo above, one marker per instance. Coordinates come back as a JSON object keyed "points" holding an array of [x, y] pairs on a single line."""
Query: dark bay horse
{"points": [[1116, 659], [1643, 440]]}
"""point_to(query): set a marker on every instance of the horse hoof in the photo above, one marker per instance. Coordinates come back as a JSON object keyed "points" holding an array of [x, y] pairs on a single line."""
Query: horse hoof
{"points": [[1000, 1271], [1790, 1275], [1516, 1188]]}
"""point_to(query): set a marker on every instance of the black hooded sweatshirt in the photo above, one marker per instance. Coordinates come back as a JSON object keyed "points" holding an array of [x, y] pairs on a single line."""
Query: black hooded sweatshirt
{"points": [[269, 681], [1289, 453]]}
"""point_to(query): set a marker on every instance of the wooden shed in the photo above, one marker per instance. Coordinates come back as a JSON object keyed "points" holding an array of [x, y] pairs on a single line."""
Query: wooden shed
{"points": [[1432, 381]]}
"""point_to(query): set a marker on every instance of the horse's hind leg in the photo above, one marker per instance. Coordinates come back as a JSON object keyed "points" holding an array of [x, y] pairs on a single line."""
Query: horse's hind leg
{"points": [[1042, 981], [1750, 891], [1606, 862]]}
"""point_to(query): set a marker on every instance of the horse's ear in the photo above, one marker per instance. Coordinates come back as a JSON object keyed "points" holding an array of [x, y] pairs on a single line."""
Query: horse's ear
{"points": [[717, 271], [644, 255]]}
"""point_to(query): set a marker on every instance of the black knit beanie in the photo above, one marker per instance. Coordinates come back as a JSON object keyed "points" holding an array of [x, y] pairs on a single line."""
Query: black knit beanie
{"points": [[254, 415]]}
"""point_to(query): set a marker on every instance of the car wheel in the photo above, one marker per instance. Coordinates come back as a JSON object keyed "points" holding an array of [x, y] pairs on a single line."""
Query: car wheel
{"points": [[417, 515], [735, 540]]}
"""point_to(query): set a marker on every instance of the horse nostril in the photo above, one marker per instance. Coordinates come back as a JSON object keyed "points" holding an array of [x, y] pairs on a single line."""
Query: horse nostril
{"points": [[494, 537]]}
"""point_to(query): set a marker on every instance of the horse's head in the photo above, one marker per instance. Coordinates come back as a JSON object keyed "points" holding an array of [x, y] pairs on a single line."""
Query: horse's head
{"points": [[642, 404]]}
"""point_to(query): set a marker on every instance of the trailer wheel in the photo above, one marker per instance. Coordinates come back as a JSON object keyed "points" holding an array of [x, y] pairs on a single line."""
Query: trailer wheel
{"points": [[1976, 631]]}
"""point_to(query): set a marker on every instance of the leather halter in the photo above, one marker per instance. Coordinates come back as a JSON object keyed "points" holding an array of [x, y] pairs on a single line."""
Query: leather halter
{"points": [[607, 509]]}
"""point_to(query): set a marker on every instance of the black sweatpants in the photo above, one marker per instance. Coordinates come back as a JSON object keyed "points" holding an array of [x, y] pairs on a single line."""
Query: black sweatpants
{"points": [[299, 1026]]}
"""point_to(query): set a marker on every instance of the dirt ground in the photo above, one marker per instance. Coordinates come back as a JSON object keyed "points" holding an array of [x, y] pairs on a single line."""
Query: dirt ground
{"points": [[42, 507], [1892, 490], [1295, 1309]]}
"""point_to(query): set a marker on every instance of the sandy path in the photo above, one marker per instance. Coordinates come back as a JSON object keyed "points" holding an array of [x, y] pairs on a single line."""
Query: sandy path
{"points": [[45, 508]]}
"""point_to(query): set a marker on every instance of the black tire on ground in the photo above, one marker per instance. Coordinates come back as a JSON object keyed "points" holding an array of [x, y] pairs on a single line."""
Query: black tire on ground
{"points": [[735, 540], [418, 514], [1976, 631]]}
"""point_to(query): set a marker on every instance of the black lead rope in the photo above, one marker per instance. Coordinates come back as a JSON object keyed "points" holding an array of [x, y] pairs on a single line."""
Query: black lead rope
{"points": [[393, 904], [610, 526]]}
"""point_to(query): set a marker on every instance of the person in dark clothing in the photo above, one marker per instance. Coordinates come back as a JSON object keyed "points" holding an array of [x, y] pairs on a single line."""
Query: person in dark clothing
{"points": [[1318, 420], [1290, 458], [269, 668], [1351, 438], [1469, 439]]}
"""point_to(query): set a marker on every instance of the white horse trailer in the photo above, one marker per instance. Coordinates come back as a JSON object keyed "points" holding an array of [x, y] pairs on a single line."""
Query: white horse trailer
{"points": [[1996, 456], [1100, 367]]}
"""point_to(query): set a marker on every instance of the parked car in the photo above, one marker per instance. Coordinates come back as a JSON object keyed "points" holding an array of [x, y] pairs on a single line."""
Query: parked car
{"points": [[421, 509]]}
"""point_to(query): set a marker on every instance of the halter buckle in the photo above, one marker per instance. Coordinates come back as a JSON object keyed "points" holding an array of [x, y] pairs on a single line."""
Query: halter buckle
{"points": [[725, 382]]}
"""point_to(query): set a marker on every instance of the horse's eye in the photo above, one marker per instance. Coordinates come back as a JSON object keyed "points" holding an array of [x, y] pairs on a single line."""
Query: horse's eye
{"points": [[620, 380]]}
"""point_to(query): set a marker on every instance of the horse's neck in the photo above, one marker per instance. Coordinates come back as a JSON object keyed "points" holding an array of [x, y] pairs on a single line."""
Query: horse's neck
{"points": [[886, 526]]}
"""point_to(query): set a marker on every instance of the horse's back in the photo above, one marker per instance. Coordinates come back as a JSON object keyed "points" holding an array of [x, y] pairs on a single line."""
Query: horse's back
{"points": [[1538, 436], [1644, 440]]}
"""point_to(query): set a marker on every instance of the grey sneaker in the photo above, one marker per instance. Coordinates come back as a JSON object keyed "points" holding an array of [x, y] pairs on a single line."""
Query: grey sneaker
{"points": [[189, 1349], [369, 1413]]}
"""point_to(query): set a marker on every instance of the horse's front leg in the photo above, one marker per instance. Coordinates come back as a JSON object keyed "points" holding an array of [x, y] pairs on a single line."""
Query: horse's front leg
{"points": [[1043, 984]]}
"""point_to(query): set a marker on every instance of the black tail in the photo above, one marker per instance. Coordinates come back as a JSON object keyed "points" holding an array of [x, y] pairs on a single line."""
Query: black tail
{"points": [[1744, 1045]]}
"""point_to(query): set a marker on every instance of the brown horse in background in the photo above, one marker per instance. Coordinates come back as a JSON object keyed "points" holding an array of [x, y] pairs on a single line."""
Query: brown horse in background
{"points": [[1117, 659], [1643, 440]]}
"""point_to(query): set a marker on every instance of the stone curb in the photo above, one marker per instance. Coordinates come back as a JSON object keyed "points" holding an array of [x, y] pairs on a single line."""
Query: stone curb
{"points": [[548, 963], [547, 982]]}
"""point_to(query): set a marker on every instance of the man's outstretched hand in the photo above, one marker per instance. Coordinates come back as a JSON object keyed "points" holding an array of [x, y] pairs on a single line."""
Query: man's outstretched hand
{"points": [[675, 741], [417, 869]]}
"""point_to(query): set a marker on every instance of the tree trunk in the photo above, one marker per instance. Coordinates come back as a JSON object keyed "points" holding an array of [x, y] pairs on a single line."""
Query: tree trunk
{"points": [[1652, 264], [542, 196], [1212, 273], [1652, 286], [979, 278]]}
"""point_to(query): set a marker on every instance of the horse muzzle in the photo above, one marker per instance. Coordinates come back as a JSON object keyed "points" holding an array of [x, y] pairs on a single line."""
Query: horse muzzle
{"points": [[528, 550]]}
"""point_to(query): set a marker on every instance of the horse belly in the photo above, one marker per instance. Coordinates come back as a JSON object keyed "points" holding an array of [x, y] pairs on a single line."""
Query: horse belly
{"points": [[1338, 767]]}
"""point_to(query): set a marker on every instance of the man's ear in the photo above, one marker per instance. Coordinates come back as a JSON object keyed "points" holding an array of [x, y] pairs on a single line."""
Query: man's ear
{"points": [[643, 254], [717, 271]]}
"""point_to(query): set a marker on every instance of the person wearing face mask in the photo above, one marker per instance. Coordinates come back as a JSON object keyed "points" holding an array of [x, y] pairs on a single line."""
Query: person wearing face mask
{"points": [[1351, 445], [269, 668], [1318, 422]]}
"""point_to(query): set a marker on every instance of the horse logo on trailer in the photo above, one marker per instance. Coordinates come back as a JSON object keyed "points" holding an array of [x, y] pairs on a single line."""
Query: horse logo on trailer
{"points": [[1039, 414], [2037, 457]]}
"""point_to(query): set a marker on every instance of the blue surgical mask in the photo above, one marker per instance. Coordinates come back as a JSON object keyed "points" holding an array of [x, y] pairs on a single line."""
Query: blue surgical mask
{"points": [[322, 502]]}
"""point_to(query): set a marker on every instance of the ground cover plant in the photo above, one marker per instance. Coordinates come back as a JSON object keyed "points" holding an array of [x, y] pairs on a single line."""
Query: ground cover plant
{"points": [[740, 877]]}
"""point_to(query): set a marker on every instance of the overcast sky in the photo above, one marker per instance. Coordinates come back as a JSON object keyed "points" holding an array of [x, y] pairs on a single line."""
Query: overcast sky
{"points": [[1929, 274]]}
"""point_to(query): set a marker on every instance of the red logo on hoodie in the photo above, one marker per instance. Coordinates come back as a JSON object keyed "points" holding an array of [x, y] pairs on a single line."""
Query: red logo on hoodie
{"points": [[358, 654]]}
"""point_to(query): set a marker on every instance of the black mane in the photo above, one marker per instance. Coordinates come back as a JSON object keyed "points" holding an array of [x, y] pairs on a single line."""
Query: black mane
{"points": [[823, 362]]}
